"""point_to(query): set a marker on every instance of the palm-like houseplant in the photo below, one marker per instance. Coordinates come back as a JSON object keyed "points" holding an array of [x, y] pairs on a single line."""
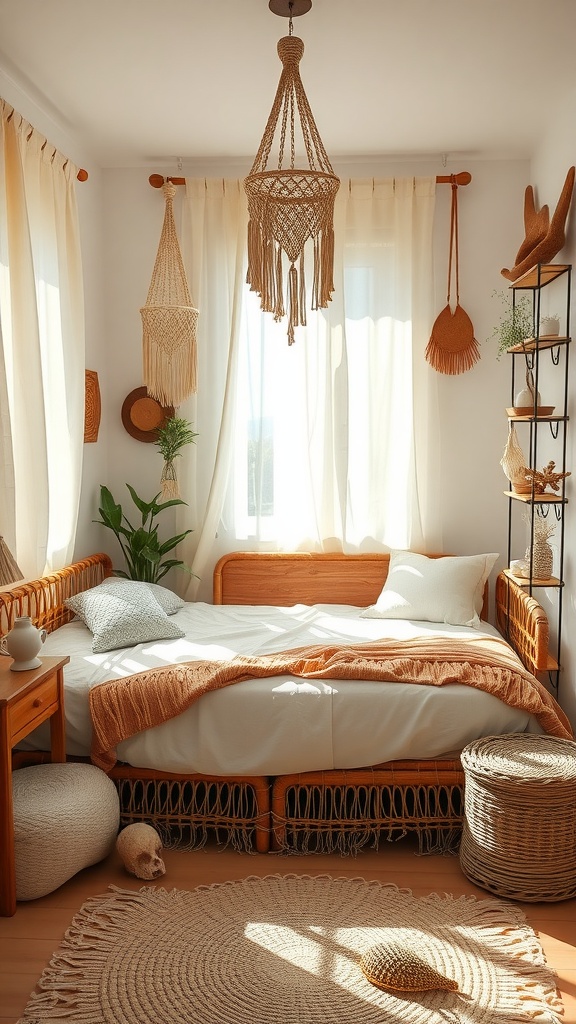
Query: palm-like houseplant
{"points": [[140, 544], [171, 439]]}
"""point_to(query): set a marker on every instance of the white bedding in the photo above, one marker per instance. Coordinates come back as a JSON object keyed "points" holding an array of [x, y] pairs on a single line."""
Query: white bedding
{"points": [[282, 725]]}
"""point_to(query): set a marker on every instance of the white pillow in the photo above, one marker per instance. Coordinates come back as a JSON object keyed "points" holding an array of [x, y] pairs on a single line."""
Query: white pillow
{"points": [[447, 589], [167, 599], [122, 616]]}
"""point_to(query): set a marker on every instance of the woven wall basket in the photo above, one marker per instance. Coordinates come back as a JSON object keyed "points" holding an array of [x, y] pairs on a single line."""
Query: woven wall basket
{"points": [[169, 320]]}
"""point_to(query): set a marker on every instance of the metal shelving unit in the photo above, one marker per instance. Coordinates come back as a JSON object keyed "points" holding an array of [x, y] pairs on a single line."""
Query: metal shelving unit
{"points": [[530, 354]]}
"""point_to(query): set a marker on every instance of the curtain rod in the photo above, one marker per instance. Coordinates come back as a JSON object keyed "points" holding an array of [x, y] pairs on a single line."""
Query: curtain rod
{"points": [[462, 178]]}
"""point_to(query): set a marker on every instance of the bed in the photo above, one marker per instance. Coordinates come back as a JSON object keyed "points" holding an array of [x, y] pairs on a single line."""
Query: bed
{"points": [[373, 759]]}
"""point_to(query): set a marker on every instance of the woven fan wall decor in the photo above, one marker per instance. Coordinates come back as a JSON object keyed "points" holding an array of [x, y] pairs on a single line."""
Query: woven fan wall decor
{"points": [[452, 347], [169, 320]]}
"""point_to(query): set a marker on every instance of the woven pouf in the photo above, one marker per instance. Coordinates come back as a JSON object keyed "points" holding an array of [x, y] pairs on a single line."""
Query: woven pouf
{"points": [[519, 835], [66, 817]]}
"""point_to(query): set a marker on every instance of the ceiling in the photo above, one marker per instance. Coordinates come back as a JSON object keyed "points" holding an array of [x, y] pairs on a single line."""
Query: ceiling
{"points": [[141, 82]]}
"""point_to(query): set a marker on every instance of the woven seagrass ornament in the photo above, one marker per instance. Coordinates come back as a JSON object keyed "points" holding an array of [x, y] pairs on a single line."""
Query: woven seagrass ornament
{"points": [[396, 967], [169, 320], [289, 206], [452, 347]]}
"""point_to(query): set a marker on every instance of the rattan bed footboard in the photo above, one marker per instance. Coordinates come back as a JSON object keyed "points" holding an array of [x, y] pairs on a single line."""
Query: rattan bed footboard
{"points": [[524, 624], [343, 811]]}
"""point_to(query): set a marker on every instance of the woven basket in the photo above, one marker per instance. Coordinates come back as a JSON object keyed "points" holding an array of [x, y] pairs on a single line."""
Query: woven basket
{"points": [[519, 836]]}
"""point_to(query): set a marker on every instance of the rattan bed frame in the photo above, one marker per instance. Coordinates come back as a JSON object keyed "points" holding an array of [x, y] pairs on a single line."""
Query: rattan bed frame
{"points": [[313, 811]]}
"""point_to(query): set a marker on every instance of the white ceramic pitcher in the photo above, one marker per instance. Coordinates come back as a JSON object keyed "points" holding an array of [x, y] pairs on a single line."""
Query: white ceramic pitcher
{"points": [[22, 644]]}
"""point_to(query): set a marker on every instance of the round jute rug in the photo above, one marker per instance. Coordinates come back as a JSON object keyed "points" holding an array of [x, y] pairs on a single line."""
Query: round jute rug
{"points": [[286, 950]]}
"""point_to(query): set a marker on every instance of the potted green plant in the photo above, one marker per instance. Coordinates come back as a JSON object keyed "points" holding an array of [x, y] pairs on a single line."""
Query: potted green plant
{"points": [[171, 439], [516, 323], [550, 326], [140, 544]]}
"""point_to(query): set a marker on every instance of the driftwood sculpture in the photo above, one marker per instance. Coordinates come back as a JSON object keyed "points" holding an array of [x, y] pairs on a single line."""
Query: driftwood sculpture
{"points": [[544, 238]]}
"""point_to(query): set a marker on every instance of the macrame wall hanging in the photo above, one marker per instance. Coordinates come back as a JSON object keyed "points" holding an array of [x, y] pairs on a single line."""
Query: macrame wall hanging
{"points": [[452, 347], [290, 206], [169, 320]]}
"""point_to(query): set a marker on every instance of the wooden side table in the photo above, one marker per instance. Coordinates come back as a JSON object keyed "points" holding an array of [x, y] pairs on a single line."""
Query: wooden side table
{"points": [[26, 700]]}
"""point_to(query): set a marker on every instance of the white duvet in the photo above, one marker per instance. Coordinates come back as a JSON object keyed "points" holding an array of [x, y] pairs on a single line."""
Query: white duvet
{"points": [[281, 725]]}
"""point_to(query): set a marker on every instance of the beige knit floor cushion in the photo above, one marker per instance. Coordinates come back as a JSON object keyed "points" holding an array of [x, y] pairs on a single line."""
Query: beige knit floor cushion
{"points": [[66, 817]]}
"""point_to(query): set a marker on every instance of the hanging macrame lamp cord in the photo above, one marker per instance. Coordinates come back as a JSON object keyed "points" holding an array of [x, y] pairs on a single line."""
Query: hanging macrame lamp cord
{"points": [[452, 347], [169, 320], [288, 206]]}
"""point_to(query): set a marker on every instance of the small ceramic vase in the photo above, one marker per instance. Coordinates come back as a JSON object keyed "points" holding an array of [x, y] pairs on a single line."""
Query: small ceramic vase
{"points": [[525, 398], [22, 644]]}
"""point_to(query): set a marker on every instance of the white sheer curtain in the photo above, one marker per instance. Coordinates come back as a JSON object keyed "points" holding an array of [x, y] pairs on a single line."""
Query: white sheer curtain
{"points": [[42, 353], [322, 445]]}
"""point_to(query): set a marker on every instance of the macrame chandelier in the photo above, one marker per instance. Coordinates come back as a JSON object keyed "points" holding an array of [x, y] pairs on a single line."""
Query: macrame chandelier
{"points": [[288, 206], [169, 320]]}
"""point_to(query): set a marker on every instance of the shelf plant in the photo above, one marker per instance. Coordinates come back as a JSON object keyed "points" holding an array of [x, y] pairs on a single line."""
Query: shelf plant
{"points": [[143, 552], [516, 323]]}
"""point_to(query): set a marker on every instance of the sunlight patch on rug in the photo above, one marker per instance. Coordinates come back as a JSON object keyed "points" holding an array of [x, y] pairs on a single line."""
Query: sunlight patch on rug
{"points": [[286, 950]]}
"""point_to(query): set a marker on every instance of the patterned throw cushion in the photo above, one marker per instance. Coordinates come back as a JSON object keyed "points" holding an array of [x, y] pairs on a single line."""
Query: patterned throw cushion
{"points": [[448, 589], [397, 968], [167, 599], [122, 616]]}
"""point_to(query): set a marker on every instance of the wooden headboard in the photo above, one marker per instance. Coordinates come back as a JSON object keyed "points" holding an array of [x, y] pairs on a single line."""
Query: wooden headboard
{"points": [[43, 599], [279, 578]]}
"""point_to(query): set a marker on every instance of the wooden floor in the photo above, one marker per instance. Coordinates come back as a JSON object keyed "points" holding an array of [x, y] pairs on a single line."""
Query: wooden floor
{"points": [[28, 939]]}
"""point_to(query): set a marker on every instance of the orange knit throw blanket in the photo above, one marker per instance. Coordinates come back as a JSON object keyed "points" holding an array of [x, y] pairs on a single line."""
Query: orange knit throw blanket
{"points": [[123, 707]]}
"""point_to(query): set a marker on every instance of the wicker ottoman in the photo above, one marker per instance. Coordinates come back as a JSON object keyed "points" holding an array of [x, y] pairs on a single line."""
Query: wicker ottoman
{"points": [[66, 817], [519, 835]]}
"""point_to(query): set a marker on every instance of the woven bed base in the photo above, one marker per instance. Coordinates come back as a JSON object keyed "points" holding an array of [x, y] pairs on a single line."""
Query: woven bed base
{"points": [[343, 811], [187, 810]]}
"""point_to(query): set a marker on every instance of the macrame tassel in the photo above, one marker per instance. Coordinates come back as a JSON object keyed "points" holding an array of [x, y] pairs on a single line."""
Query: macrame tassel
{"points": [[279, 310], [327, 250], [302, 292], [292, 303]]}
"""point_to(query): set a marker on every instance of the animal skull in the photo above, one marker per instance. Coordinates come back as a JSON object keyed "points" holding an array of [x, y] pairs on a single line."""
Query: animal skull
{"points": [[140, 847]]}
